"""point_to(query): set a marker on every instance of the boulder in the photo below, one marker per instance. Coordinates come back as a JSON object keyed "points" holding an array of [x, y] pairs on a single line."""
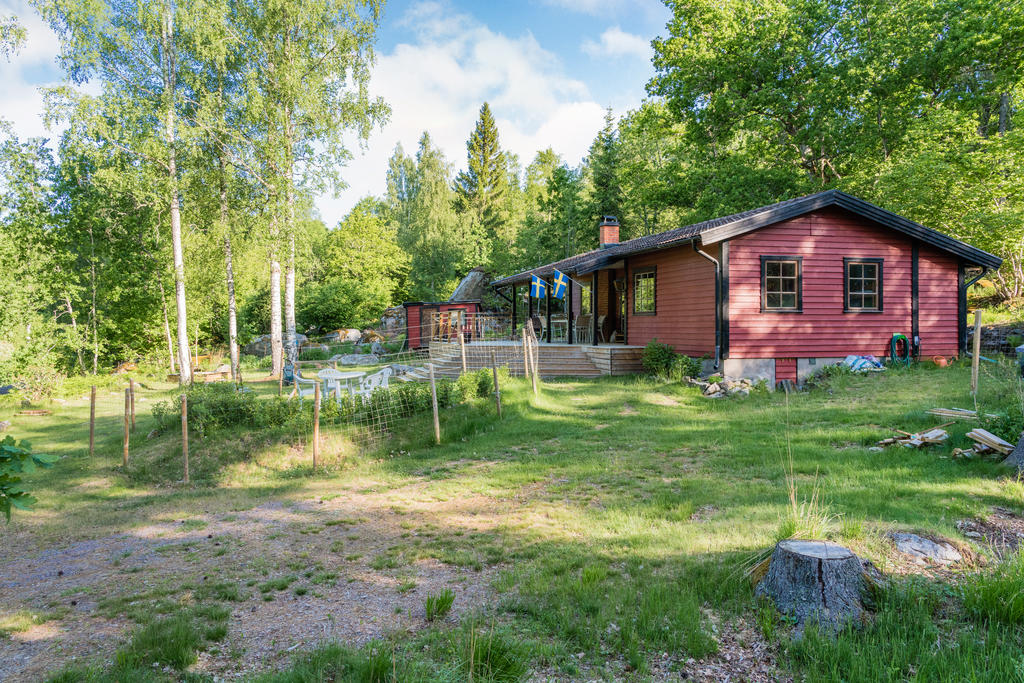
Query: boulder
{"points": [[713, 389], [223, 367], [259, 346], [392, 322], [400, 369], [922, 550], [358, 359], [472, 287], [371, 336], [378, 348], [342, 336]]}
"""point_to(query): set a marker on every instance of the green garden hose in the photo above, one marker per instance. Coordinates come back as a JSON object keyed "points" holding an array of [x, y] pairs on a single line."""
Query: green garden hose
{"points": [[896, 356]]}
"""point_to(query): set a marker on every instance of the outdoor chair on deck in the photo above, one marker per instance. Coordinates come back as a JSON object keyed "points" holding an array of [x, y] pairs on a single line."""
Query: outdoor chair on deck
{"points": [[369, 384], [600, 327], [583, 330]]}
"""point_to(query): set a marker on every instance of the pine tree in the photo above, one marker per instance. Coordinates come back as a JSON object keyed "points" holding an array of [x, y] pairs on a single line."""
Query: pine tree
{"points": [[606, 194], [483, 187]]}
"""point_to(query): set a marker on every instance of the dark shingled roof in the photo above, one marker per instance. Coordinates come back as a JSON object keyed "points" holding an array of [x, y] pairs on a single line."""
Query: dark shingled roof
{"points": [[726, 227]]}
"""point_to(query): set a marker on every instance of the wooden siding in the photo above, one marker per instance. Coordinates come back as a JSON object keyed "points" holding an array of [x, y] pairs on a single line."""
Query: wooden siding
{"points": [[785, 368], [684, 290], [824, 238], [937, 303]]}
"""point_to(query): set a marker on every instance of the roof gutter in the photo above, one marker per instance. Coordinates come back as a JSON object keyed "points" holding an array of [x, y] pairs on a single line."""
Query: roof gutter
{"points": [[718, 302]]}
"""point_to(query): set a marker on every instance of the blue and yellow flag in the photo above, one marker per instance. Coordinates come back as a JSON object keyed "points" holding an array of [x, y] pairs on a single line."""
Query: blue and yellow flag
{"points": [[559, 283], [538, 288]]}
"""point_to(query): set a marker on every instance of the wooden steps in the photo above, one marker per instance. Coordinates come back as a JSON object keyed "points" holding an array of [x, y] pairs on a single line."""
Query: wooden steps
{"points": [[555, 360]]}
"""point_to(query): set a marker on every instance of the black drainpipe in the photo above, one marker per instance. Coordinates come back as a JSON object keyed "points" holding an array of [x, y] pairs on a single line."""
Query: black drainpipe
{"points": [[963, 307], [718, 301]]}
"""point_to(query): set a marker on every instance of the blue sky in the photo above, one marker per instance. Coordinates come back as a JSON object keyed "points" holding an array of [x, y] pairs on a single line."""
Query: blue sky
{"points": [[549, 68]]}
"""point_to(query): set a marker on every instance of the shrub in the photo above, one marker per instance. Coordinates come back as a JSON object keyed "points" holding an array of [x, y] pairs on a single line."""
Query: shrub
{"points": [[38, 380], [662, 361], [315, 354], [658, 358], [438, 605], [17, 459]]}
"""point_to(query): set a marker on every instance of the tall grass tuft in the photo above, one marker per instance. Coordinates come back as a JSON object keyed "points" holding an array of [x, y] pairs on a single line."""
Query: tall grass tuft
{"points": [[493, 656], [998, 595], [438, 605]]}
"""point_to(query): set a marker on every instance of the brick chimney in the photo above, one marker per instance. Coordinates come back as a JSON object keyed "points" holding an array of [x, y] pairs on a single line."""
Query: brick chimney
{"points": [[608, 232]]}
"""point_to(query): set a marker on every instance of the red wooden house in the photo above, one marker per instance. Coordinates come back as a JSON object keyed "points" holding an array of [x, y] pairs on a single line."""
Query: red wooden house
{"points": [[778, 291]]}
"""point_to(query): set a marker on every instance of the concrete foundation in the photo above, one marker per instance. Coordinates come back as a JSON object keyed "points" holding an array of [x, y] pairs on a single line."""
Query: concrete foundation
{"points": [[751, 368]]}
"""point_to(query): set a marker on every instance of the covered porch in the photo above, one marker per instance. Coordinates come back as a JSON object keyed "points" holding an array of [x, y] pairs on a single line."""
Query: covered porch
{"points": [[592, 312]]}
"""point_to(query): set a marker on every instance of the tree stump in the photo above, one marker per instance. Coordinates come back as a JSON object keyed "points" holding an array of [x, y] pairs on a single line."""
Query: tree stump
{"points": [[1016, 457], [815, 581]]}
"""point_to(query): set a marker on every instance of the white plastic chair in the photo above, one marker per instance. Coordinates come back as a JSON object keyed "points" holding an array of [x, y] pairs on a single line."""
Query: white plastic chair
{"points": [[304, 387], [370, 383]]}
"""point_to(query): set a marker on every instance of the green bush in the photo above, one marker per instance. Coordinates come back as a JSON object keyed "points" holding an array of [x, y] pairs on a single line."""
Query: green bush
{"points": [[315, 354], [17, 459], [662, 361], [658, 358]]}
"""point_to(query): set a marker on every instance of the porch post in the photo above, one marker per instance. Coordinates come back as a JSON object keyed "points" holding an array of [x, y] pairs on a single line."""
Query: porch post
{"points": [[547, 313], [529, 297], [570, 320], [595, 280], [513, 307]]}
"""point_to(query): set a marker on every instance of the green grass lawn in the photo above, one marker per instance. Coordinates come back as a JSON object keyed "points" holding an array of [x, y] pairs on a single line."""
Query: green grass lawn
{"points": [[601, 529]]}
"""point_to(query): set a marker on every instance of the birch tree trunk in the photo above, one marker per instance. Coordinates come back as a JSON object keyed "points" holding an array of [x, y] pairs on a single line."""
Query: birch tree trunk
{"points": [[275, 314], [289, 281], [184, 358], [167, 327], [230, 273], [74, 327]]}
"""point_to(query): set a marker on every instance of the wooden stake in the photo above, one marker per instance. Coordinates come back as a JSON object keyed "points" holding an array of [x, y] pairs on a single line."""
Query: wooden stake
{"points": [[433, 399], [977, 352], [526, 355], [497, 389], [184, 432], [280, 383], [92, 421], [316, 424], [127, 419], [534, 357], [131, 385], [462, 349]]}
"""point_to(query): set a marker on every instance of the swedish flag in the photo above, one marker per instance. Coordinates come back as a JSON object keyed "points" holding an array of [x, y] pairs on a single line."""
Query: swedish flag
{"points": [[559, 283], [538, 288]]}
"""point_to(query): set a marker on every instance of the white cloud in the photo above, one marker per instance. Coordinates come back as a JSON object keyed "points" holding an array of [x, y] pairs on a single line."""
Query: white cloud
{"points": [[32, 68], [605, 8], [618, 43], [438, 82]]}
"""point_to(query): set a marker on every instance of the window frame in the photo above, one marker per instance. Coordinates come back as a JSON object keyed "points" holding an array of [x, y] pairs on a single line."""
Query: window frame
{"points": [[652, 272], [847, 262], [781, 258]]}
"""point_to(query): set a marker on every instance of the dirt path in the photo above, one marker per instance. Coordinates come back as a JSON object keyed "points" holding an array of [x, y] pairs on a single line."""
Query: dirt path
{"points": [[355, 568]]}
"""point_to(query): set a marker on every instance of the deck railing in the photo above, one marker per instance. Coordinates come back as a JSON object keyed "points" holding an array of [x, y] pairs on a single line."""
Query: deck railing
{"points": [[446, 325]]}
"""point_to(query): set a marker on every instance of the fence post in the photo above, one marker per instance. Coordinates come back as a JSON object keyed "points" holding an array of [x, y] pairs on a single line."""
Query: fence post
{"points": [[316, 424], [92, 420], [433, 399], [497, 389], [977, 352], [131, 385], [526, 356], [534, 357], [127, 418], [184, 432], [462, 349]]}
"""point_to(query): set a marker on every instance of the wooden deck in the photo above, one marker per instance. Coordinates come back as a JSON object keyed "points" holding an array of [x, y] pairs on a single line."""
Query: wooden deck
{"points": [[555, 360]]}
